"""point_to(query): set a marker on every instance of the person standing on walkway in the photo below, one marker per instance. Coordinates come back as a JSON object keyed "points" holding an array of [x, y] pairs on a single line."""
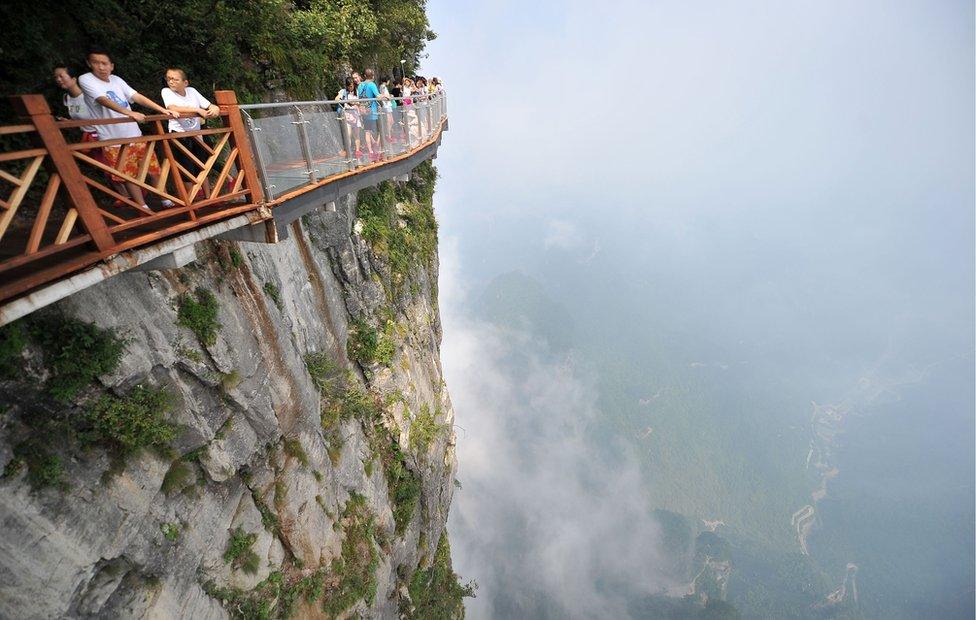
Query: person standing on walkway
{"points": [[109, 97], [411, 122], [368, 90], [182, 98], [389, 108], [396, 91], [74, 100], [349, 113], [420, 88]]}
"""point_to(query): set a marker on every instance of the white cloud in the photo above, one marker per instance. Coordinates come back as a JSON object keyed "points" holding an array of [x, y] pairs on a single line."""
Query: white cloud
{"points": [[562, 235], [543, 514]]}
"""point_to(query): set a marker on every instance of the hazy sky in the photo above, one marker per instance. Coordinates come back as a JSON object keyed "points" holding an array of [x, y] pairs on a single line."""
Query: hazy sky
{"points": [[824, 149], [663, 110]]}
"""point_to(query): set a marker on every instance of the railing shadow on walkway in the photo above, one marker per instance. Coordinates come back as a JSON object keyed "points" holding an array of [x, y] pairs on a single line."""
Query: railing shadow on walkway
{"points": [[64, 208]]}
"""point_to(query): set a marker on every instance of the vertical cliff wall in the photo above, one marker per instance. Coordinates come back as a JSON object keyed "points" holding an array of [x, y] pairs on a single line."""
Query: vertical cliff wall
{"points": [[264, 432]]}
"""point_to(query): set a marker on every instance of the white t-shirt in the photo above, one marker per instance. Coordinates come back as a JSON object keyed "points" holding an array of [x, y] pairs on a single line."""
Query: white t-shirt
{"points": [[120, 93], [192, 99], [78, 109]]}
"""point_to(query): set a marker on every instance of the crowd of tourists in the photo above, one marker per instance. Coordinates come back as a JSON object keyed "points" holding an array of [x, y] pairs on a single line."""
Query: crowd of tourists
{"points": [[100, 94], [365, 103]]}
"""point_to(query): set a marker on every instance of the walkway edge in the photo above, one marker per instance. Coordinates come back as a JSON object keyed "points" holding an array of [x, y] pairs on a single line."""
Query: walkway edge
{"points": [[113, 266]]}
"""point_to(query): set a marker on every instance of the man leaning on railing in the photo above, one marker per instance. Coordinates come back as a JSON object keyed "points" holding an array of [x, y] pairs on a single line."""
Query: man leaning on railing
{"points": [[109, 97]]}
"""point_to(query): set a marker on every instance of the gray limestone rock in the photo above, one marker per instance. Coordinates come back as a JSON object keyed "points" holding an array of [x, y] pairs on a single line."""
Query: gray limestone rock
{"points": [[250, 443]]}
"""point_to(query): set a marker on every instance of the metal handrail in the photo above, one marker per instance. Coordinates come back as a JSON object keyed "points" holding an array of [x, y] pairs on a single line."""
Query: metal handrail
{"points": [[334, 144], [281, 104]]}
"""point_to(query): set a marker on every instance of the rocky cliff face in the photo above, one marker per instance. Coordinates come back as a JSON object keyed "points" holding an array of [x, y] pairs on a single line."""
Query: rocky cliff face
{"points": [[264, 432]]}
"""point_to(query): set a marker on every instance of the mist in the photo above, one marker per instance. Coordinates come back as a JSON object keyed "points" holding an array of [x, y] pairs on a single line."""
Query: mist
{"points": [[540, 491], [729, 215]]}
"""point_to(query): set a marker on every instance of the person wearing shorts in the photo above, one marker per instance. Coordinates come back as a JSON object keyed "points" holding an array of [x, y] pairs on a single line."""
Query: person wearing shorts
{"points": [[389, 108], [180, 97], [368, 90], [411, 122], [109, 96], [349, 114]]}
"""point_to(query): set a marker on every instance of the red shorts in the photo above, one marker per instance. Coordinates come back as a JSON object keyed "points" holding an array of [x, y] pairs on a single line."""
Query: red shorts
{"points": [[96, 154], [134, 154]]}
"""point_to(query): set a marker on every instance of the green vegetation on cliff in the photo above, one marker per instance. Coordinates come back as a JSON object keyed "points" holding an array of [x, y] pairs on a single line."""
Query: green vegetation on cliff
{"points": [[399, 223], [368, 345], [356, 567], [239, 553], [424, 429], [435, 592], [349, 579], [198, 313], [75, 352], [43, 468], [343, 400], [13, 339], [131, 422]]}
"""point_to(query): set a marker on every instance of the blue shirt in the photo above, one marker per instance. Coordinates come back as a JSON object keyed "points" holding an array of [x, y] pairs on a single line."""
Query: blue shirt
{"points": [[368, 90]]}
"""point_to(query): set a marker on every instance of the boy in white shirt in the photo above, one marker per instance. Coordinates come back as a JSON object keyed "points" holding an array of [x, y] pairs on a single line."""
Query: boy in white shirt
{"points": [[109, 96], [182, 98]]}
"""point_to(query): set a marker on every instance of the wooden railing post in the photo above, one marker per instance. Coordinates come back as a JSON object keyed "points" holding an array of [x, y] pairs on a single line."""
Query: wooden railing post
{"points": [[36, 109], [227, 100]]}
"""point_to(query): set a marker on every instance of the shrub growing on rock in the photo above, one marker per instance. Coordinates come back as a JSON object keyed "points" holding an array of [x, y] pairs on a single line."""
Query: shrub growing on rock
{"points": [[403, 484], [178, 477], [171, 531], [424, 429], [272, 291], [131, 422], [75, 352], [199, 315], [239, 553], [436, 592], [43, 469], [322, 370], [356, 567], [367, 345], [294, 449], [13, 339], [399, 223]]}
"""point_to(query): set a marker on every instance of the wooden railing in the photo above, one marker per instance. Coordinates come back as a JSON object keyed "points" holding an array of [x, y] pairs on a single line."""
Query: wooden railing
{"points": [[83, 214], [64, 208]]}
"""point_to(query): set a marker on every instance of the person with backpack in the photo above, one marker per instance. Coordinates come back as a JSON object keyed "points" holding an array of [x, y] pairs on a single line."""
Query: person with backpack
{"points": [[370, 114]]}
